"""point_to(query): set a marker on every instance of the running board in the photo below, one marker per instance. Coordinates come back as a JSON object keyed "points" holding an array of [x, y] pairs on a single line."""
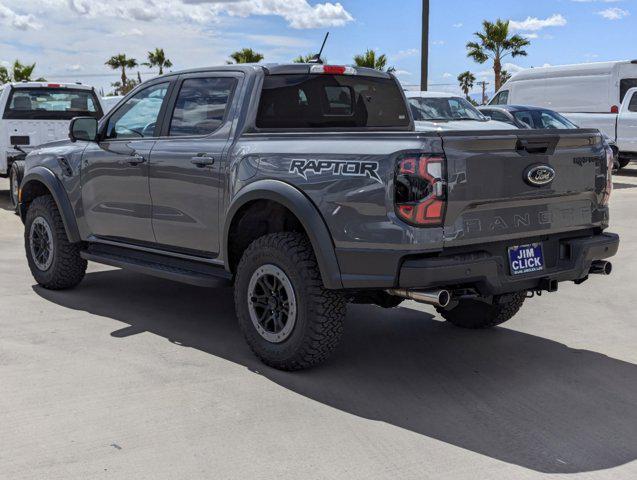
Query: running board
{"points": [[162, 266]]}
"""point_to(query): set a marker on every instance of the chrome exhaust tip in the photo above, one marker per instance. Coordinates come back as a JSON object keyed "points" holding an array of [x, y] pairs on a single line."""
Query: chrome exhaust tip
{"points": [[601, 267], [437, 298]]}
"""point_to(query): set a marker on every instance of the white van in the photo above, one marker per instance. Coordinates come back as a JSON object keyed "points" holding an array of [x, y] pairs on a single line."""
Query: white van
{"points": [[592, 95], [33, 113]]}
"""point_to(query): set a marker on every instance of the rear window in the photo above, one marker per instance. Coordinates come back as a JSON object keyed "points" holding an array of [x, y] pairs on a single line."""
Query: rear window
{"points": [[331, 101], [51, 104]]}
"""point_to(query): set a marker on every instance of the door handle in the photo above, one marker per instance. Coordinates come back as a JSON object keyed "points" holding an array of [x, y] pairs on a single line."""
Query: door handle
{"points": [[136, 159], [202, 160]]}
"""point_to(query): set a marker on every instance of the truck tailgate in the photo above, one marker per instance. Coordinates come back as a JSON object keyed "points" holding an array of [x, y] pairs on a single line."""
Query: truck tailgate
{"points": [[490, 197]]}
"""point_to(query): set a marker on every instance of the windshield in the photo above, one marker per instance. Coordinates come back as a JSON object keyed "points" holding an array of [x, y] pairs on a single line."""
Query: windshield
{"points": [[51, 104], [451, 108]]}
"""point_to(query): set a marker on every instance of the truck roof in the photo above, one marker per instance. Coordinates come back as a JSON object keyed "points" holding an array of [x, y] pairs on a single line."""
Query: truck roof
{"points": [[427, 94], [75, 86], [278, 69], [593, 68]]}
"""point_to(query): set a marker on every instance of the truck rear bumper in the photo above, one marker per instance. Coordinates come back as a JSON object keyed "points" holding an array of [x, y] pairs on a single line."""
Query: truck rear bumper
{"points": [[488, 270]]}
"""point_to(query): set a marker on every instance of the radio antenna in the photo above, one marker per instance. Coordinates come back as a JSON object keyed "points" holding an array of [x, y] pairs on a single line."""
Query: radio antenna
{"points": [[317, 57]]}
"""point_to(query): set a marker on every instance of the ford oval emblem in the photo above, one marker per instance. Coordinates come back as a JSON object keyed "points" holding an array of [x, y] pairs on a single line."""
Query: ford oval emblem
{"points": [[538, 175]]}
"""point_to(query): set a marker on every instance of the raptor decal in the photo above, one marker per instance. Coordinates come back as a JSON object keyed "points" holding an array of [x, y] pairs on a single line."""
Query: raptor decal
{"points": [[345, 168]]}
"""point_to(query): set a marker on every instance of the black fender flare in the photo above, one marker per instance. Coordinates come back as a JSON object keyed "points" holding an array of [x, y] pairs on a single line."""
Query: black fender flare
{"points": [[52, 183], [307, 213]]}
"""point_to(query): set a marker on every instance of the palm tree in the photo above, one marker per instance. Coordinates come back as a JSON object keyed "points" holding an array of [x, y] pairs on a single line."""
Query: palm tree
{"points": [[466, 81], [504, 76], [157, 58], [304, 58], [22, 72], [246, 55], [123, 62], [495, 43], [370, 60]]}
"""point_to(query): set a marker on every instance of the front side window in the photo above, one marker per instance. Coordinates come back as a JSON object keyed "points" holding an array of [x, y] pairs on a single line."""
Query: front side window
{"points": [[201, 105], [137, 117], [443, 109], [525, 117], [51, 104], [313, 101], [501, 98]]}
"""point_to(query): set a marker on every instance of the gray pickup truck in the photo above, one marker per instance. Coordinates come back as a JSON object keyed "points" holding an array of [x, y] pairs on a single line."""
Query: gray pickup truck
{"points": [[307, 187]]}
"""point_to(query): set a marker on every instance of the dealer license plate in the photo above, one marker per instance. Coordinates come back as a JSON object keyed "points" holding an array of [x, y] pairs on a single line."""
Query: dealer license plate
{"points": [[526, 259]]}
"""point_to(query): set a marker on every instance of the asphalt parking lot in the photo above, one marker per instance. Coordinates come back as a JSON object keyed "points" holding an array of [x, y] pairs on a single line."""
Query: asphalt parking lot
{"points": [[134, 377]]}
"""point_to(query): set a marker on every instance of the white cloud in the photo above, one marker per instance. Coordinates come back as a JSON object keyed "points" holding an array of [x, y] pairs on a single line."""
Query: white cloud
{"points": [[438, 42], [614, 13], [410, 52], [530, 36], [75, 68], [457, 25], [298, 13], [402, 73], [533, 24], [447, 75], [14, 20]]}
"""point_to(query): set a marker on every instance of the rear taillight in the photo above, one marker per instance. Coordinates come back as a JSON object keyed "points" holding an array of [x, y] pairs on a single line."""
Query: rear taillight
{"points": [[420, 190], [610, 163], [614, 109]]}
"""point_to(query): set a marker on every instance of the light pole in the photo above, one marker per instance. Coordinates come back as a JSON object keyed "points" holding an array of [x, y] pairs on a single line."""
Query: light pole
{"points": [[424, 49]]}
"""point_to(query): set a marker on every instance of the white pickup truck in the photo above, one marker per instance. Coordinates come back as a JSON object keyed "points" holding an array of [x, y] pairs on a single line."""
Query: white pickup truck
{"points": [[599, 95], [33, 113]]}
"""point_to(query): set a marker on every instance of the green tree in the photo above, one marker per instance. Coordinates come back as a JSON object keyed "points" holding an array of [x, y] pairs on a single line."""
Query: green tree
{"points": [[19, 72], [504, 76], [494, 42], [371, 60], [157, 58], [303, 58], [122, 62], [246, 55], [4, 75], [466, 81]]}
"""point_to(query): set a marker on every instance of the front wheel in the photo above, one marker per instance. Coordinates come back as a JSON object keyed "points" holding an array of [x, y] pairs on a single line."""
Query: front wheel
{"points": [[55, 262], [289, 319], [15, 178], [479, 313]]}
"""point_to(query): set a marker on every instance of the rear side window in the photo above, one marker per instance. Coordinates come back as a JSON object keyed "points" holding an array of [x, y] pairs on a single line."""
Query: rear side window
{"points": [[625, 85], [51, 104], [498, 116], [525, 117], [201, 105], [632, 106], [331, 101]]}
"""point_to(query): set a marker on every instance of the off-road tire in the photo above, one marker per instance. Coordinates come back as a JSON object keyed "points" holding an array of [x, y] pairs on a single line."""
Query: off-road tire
{"points": [[67, 268], [623, 162], [477, 314], [320, 313], [16, 173]]}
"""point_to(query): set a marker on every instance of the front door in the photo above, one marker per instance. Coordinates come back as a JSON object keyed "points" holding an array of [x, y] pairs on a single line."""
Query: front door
{"points": [[627, 123], [187, 163], [115, 195]]}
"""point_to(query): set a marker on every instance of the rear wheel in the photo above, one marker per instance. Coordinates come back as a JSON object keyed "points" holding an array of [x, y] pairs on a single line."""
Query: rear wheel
{"points": [[623, 162], [475, 314], [289, 319], [55, 262], [15, 178]]}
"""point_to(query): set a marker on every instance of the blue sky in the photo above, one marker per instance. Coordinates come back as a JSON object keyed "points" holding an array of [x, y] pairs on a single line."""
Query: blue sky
{"points": [[70, 39]]}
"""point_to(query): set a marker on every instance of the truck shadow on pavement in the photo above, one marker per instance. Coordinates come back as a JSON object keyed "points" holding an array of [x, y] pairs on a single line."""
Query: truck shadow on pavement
{"points": [[515, 397]]}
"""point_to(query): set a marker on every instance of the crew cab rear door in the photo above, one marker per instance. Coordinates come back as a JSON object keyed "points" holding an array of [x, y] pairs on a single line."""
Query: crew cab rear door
{"points": [[529, 183], [187, 167]]}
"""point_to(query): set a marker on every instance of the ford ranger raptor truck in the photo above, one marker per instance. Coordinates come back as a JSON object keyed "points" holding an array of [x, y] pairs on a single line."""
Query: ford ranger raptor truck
{"points": [[307, 187]]}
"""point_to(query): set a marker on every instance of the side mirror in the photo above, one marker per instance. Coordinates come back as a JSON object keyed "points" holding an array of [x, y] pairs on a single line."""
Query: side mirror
{"points": [[83, 129]]}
